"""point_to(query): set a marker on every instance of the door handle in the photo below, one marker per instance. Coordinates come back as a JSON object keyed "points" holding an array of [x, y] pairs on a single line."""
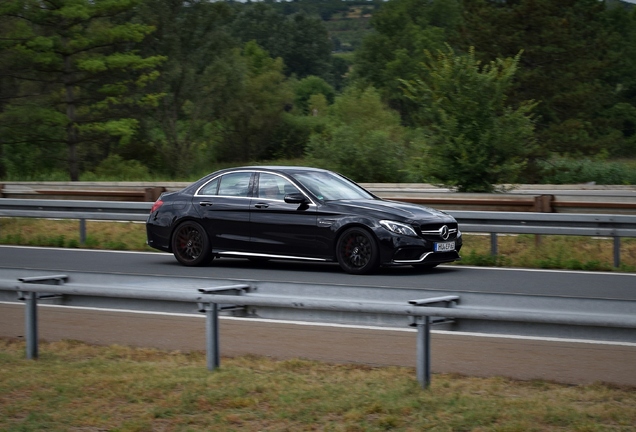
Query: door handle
{"points": [[205, 203], [261, 205]]}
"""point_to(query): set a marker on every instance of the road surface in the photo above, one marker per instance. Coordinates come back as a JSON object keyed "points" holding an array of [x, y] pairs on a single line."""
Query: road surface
{"points": [[573, 362]]}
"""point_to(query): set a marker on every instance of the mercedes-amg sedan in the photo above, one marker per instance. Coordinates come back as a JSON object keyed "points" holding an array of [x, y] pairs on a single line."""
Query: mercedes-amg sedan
{"points": [[298, 213]]}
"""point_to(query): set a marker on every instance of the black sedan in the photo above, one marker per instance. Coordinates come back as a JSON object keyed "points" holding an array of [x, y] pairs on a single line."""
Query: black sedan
{"points": [[298, 213]]}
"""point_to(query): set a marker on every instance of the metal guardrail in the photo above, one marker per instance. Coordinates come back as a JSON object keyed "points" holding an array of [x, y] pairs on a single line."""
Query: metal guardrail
{"points": [[525, 198], [421, 312], [75, 209], [80, 210], [209, 300], [601, 225], [614, 226], [522, 198]]}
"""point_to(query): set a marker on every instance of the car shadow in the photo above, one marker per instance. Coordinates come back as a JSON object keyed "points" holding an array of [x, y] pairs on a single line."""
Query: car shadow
{"points": [[322, 267]]}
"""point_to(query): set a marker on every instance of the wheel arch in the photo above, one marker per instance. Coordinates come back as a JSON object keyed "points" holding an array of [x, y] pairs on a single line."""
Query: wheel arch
{"points": [[354, 224], [175, 224], [383, 242]]}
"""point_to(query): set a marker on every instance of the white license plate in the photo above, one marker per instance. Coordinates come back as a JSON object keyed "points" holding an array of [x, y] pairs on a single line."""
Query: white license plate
{"points": [[445, 247]]}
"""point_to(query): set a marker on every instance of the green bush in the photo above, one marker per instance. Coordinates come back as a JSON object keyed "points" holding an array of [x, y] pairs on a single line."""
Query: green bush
{"points": [[116, 168], [362, 139], [561, 170], [476, 139]]}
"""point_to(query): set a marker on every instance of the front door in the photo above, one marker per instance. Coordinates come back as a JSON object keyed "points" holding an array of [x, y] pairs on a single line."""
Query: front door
{"points": [[279, 228]]}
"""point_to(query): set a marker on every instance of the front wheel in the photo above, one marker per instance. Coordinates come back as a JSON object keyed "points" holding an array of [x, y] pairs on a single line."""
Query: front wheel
{"points": [[190, 244], [357, 251]]}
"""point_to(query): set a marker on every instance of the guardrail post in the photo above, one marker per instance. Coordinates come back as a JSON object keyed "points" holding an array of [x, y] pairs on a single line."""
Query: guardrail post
{"points": [[31, 310], [152, 194], [493, 244], [211, 309], [423, 349], [423, 324], [543, 204], [82, 231], [212, 335], [617, 251], [31, 324]]}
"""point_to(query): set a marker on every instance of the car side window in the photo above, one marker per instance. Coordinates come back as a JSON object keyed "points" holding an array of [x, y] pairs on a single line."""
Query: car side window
{"points": [[233, 184], [211, 188], [272, 186]]}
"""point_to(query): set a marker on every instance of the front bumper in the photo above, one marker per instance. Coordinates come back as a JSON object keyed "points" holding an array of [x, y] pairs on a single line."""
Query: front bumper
{"points": [[431, 258], [406, 250]]}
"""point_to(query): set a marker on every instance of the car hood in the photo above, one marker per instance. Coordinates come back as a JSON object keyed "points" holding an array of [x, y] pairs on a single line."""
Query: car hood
{"points": [[401, 211]]}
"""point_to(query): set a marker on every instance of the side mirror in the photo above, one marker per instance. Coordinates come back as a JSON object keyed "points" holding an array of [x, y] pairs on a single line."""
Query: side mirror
{"points": [[296, 198]]}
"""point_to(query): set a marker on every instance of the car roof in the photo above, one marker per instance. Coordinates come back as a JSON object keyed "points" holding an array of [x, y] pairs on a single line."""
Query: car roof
{"points": [[283, 169]]}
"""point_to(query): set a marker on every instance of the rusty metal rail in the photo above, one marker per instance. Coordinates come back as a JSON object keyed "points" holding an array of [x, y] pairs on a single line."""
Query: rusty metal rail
{"points": [[132, 192], [525, 198]]}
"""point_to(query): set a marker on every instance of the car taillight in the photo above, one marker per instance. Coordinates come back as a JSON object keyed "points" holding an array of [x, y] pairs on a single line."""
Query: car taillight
{"points": [[156, 206]]}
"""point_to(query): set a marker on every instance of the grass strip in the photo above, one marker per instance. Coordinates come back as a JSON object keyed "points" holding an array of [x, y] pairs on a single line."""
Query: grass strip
{"points": [[79, 387]]}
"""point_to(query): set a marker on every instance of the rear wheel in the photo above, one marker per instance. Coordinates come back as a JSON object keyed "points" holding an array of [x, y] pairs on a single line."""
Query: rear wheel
{"points": [[190, 244], [357, 251]]}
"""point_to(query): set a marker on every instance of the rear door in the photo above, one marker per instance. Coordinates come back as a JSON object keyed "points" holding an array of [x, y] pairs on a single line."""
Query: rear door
{"points": [[224, 207]]}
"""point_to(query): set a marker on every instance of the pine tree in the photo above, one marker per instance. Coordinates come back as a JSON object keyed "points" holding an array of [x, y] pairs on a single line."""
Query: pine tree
{"points": [[76, 77]]}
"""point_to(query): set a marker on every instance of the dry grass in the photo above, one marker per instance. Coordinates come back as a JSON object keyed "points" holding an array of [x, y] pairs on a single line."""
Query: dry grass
{"points": [[556, 252], [66, 233], [78, 387], [566, 252]]}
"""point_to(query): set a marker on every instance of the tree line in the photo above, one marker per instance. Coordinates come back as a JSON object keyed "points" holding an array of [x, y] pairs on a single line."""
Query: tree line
{"points": [[466, 93]]}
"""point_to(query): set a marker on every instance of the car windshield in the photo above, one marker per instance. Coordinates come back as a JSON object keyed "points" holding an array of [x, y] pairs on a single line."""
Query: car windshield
{"points": [[329, 186]]}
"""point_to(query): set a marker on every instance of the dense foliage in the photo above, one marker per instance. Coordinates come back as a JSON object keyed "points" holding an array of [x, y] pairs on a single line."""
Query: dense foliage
{"points": [[476, 139], [466, 93]]}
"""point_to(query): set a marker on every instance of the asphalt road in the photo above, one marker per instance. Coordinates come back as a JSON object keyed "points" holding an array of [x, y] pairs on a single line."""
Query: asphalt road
{"points": [[449, 278], [573, 362]]}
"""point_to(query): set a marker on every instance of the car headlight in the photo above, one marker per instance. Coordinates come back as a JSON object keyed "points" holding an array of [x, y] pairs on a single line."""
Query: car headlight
{"points": [[398, 228]]}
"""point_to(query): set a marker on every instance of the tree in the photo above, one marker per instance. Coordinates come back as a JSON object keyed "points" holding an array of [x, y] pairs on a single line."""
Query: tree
{"points": [[201, 75], [308, 87], [77, 77], [300, 40], [620, 118], [404, 30], [255, 110], [572, 56], [362, 138], [476, 140]]}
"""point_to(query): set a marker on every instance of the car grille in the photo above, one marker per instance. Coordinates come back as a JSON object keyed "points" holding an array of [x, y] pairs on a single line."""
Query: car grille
{"points": [[437, 232]]}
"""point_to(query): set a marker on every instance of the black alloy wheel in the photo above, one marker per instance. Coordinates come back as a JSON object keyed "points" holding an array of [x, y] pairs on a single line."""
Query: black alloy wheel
{"points": [[357, 251], [190, 244]]}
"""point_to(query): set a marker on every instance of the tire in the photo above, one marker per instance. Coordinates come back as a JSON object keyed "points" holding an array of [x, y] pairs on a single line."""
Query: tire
{"points": [[191, 245], [357, 251]]}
